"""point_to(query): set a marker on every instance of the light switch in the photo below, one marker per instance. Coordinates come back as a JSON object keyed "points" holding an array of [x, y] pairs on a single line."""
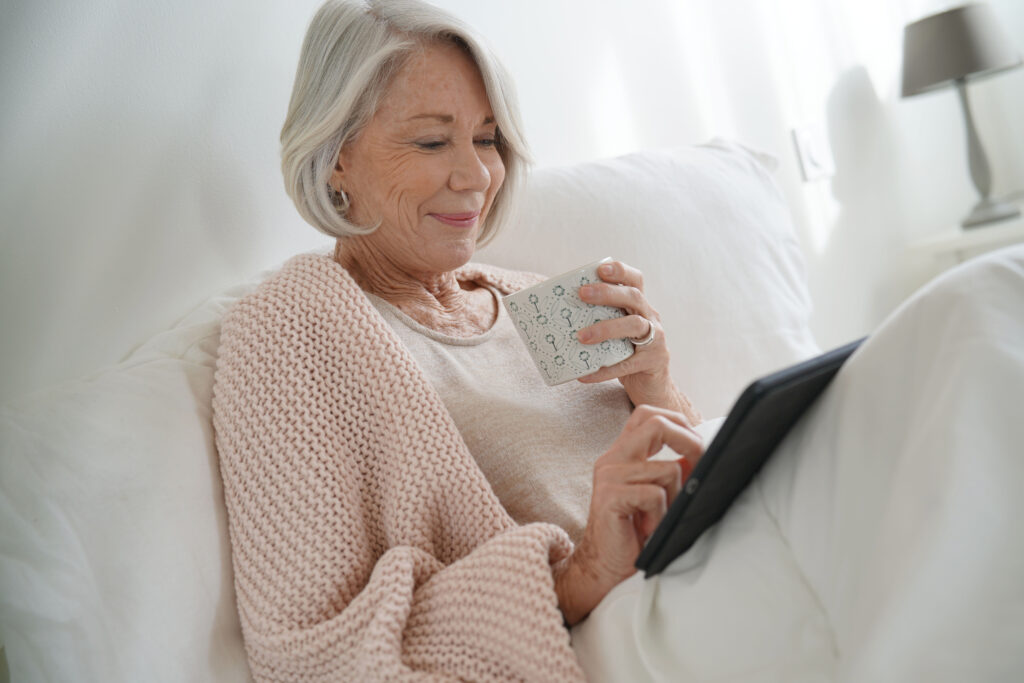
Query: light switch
{"points": [[814, 152]]}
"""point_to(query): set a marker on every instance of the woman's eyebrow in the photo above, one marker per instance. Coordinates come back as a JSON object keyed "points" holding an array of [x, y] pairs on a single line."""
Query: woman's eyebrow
{"points": [[445, 118]]}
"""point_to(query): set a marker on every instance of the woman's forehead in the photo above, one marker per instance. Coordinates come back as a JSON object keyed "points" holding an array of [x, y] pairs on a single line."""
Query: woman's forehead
{"points": [[440, 81]]}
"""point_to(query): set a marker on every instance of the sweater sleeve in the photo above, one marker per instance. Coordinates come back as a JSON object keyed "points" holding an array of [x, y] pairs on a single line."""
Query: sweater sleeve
{"points": [[366, 543], [489, 616]]}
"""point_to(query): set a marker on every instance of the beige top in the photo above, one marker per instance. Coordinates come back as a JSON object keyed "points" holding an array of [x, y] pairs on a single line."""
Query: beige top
{"points": [[535, 444]]}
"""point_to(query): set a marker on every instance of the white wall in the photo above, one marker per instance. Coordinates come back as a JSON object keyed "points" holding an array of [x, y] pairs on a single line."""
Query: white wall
{"points": [[139, 167], [606, 77]]}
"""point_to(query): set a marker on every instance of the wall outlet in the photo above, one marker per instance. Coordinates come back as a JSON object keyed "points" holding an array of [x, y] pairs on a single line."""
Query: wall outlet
{"points": [[814, 152]]}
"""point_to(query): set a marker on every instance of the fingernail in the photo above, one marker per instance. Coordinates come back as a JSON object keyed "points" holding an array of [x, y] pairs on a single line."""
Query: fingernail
{"points": [[586, 290], [607, 269], [584, 336]]}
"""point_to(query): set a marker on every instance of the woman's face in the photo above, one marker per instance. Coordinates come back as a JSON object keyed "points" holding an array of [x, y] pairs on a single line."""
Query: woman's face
{"points": [[426, 165]]}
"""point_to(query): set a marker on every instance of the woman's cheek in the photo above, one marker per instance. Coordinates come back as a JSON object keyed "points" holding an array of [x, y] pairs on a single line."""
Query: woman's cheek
{"points": [[497, 171]]}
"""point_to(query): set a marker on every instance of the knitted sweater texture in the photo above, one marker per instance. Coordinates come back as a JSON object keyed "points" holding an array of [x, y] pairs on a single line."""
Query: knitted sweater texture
{"points": [[366, 543]]}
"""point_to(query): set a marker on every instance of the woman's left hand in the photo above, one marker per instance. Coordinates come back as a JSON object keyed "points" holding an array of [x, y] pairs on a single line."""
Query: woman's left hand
{"points": [[645, 375]]}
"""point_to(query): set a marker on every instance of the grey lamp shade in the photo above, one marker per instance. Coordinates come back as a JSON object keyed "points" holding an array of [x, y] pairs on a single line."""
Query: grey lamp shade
{"points": [[963, 42]]}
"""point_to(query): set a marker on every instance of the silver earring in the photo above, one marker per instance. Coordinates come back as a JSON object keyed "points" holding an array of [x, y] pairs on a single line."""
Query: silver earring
{"points": [[341, 200]]}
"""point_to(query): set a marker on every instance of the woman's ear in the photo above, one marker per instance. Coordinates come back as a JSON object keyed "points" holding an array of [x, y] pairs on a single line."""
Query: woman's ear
{"points": [[338, 175]]}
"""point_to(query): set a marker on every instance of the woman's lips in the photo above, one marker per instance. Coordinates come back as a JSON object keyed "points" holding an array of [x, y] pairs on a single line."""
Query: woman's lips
{"points": [[458, 220]]}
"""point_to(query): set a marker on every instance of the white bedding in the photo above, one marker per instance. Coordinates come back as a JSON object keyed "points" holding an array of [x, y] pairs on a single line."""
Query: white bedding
{"points": [[883, 541]]}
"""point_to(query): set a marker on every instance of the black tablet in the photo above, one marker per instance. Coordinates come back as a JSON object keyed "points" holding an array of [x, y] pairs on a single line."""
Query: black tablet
{"points": [[764, 413]]}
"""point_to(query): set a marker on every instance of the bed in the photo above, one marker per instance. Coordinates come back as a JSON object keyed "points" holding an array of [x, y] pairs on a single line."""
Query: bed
{"points": [[115, 563]]}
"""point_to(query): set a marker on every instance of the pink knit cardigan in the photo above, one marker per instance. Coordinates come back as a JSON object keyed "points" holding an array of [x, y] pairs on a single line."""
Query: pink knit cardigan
{"points": [[366, 543]]}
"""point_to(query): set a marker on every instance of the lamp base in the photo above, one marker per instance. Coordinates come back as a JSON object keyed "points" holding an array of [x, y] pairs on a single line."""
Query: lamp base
{"points": [[989, 211]]}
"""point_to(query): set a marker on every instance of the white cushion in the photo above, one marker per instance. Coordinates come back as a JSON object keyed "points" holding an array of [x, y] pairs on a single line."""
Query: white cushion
{"points": [[114, 559], [710, 231]]}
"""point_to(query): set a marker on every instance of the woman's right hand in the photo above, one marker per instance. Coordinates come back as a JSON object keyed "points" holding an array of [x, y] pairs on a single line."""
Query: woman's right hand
{"points": [[631, 495]]}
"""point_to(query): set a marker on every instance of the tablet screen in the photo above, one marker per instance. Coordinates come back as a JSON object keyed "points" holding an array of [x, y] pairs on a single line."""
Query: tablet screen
{"points": [[762, 416]]}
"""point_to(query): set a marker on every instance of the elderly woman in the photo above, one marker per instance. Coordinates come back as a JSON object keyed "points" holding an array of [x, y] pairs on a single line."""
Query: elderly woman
{"points": [[405, 494]]}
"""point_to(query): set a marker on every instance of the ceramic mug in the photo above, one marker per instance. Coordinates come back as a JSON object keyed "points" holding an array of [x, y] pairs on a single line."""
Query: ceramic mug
{"points": [[548, 316]]}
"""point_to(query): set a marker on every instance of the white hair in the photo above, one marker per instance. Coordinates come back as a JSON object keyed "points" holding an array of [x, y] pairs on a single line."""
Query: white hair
{"points": [[351, 52]]}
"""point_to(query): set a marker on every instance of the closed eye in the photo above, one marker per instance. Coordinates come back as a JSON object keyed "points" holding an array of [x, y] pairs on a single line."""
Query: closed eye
{"points": [[431, 144]]}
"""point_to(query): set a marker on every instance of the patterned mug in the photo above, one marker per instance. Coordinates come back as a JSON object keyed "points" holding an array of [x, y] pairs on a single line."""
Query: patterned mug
{"points": [[548, 316]]}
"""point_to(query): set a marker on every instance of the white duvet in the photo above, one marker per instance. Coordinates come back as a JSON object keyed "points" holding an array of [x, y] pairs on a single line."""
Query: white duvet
{"points": [[884, 541]]}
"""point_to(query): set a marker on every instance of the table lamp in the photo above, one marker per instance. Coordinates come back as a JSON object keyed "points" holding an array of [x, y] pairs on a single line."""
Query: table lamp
{"points": [[950, 48]]}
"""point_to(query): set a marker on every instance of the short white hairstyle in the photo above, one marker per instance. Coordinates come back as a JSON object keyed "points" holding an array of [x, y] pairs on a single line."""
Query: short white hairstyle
{"points": [[351, 53]]}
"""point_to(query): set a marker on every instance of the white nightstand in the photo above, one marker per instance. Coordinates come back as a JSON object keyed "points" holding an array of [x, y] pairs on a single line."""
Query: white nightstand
{"points": [[961, 244], [929, 257]]}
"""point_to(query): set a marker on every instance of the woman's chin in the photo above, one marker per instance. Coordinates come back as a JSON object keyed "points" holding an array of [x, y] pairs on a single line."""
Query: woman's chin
{"points": [[452, 254]]}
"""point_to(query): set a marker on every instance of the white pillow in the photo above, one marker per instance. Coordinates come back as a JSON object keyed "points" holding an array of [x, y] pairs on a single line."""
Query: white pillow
{"points": [[713, 236], [114, 558]]}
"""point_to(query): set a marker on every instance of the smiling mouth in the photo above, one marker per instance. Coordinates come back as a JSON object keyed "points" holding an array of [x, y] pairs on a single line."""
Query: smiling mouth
{"points": [[466, 219]]}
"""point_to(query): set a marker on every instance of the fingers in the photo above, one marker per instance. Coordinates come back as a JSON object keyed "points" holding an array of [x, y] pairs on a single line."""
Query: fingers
{"points": [[632, 326], [631, 366], [665, 474], [653, 360], [646, 504], [620, 369], [620, 296], [642, 413], [620, 273], [645, 434]]}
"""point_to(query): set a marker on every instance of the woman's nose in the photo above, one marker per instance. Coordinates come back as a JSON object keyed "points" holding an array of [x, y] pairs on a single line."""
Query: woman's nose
{"points": [[469, 171]]}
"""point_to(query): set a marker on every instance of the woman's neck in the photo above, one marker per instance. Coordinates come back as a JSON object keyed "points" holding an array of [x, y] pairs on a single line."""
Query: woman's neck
{"points": [[435, 299]]}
